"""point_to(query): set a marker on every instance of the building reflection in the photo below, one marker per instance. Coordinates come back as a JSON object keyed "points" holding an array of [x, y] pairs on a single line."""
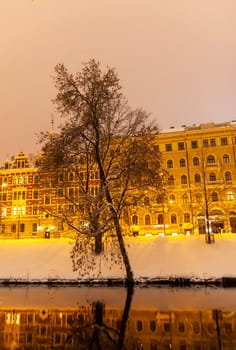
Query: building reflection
{"points": [[97, 326]]}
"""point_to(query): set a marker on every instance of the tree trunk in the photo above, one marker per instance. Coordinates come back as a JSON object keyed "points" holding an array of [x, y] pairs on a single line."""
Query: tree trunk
{"points": [[98, 243]]}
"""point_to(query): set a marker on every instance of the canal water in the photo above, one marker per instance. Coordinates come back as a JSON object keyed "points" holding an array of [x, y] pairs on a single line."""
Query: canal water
{"points": [[150, 318]]}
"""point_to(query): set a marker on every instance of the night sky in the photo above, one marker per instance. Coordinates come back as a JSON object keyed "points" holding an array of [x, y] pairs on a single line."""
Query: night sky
{"points": [[175, 58]]}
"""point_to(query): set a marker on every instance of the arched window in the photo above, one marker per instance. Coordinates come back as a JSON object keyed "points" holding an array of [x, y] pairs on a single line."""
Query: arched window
{"points": [[172, 198], [160, 219], [211, 159], [146, 201], [214, 197], [185, 198], [171, 180], [71, 177], [225, 159], [135, 220], [183, 179], [228, 176], [197, 178], [169, 163], [196, 161], [212, 177], [147, 220], [173, 219], [198, 197], [182, 163], [186, 217]]}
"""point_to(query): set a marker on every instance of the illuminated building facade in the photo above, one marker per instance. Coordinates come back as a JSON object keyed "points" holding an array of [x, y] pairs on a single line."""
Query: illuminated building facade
{"points": [[201, 163]]}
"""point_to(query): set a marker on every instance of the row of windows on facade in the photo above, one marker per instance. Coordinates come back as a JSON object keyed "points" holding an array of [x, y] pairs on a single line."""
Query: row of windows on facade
{"points": [[24, 179], [210, 179], [186, 199], [159, 220], [196, 144], [210, 160], [70, 192]]}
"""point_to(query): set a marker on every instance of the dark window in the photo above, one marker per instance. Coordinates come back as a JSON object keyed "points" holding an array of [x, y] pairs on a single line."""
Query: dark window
{"points": [[146, 201], [139, 325], [60, 192], [135, 220], [173, 219], [213, 142], [186, 217], [35, 195], [171, 180], [166, 327], [153, 325], [13, 228], [34, 227], [22, 227], [211, 159], [169, 163], [197, 178], [181, 327], [214, 197], [194, 144], [224, 141], [172, 198], [160, 219], [147, 220], [212, 177], [185, 198], [184, 180], [71, 177], [205, 143], [180, 146], [195, 161], [228, 176], [47, 199], [168, 147], [182, 163]]}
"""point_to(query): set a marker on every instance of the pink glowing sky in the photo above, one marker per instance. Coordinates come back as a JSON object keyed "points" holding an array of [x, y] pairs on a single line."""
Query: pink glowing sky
{"points": [[175, 58]]}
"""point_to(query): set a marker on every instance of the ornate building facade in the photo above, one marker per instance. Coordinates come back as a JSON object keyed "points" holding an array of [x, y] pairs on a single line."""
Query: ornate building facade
{"points": [[201, 163]]}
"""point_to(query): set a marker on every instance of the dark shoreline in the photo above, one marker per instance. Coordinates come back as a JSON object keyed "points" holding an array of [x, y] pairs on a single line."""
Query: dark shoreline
{"points": [[225, 282]]}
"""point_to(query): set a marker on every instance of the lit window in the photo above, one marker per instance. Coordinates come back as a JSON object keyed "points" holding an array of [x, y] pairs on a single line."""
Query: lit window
{"points": [[225, 159], [230, 196], [172, 198]]}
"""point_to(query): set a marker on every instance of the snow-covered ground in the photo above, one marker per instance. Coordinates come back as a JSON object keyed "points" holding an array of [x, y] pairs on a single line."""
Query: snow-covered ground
{"points": [[151, 257]]}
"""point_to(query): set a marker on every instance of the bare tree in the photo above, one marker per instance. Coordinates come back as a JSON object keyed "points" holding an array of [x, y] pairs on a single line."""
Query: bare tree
{"points": [[110, 147]]}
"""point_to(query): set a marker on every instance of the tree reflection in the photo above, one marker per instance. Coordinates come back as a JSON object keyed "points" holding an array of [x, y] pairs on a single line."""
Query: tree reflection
{"points": [[89, 331]]}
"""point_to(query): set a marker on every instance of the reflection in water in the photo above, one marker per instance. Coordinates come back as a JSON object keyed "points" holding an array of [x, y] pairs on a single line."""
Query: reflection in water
{"points": [[103, 318]]}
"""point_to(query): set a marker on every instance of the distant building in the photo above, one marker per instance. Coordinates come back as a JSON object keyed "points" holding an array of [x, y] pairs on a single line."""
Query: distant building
{"points": [[200, 160]]}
